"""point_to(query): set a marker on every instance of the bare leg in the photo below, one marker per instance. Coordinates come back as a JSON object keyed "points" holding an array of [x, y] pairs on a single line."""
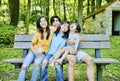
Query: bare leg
{"points": [[90, 67], [71, 67], [60, 60], [59, 53]]}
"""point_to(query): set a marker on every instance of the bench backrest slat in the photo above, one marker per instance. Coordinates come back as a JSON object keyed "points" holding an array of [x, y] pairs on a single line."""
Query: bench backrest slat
{"points": [[95, 37], [22, 45], [94, 45], [23, 38], [92, 41]]}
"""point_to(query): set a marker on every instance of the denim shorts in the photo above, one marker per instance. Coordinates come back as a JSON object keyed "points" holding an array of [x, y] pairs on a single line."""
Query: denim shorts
{"points": [[79, 55]]}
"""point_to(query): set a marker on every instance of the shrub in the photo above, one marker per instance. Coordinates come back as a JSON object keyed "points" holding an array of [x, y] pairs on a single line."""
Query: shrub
{"points": [[7, 33]]}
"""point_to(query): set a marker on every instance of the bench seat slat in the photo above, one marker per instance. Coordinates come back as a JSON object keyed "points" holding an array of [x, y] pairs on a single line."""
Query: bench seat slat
{"points": [[105, 60], [96, 60], [14, 60]]}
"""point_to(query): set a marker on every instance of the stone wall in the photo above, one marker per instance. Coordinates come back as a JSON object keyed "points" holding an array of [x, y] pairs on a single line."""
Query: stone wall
{"points": [[95, 24], [102, 21], [108, 14]]}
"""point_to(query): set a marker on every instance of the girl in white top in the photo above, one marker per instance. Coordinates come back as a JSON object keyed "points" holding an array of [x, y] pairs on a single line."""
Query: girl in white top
{"points": [[72, 44]]}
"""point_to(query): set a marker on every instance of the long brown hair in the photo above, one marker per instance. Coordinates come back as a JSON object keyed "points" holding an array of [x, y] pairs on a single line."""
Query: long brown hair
{"points": [[40, 29]]}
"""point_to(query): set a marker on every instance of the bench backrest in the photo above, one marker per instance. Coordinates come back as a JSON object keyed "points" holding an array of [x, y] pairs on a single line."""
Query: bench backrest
{"points": [[91, 41], [22, 41]]}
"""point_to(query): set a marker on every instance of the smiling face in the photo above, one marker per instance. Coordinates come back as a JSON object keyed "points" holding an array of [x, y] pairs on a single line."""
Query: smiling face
{"points": [[43, 22], [56, 22], [64, 27], [73, 27]]}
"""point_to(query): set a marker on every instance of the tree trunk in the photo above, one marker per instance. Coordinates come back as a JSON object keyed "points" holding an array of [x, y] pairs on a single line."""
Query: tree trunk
{"points": [[54, 8], [47, 9], [40, 5], [98, 3], [0, 3], [74, 8], [109, 1], [64, 10], [92, 5], [80, 12], [59, 7], [14, 11], [27, 17], [88, 7]]}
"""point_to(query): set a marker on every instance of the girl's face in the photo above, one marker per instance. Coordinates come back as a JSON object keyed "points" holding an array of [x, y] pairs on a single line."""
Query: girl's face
{"points": [[64, 27], [73, 27], [56, 22], [43, 22]]}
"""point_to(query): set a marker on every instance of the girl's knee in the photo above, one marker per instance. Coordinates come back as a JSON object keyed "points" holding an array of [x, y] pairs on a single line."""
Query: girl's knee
{"points": [[57, 64], [24, 68], [71, 59], [88, 60]]}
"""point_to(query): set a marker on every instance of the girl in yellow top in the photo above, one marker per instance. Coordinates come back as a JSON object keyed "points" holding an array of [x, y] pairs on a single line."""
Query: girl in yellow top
{"points": [[39, 48]]}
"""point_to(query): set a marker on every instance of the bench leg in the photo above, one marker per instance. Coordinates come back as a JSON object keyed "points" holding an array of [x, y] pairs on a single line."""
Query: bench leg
{"points": [[25, 52], [99, 72]]}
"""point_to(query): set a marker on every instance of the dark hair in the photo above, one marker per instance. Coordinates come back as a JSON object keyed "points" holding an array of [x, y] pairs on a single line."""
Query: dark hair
{"points": [[66, 34], [78, 27], [52, 19], [40, 29]]}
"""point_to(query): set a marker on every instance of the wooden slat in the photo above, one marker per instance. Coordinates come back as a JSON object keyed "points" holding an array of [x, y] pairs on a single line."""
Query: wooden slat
{"points": [[89, 45], [22, 45], [94, 45], [105, 60], [86, 37], [95, 37], [95, 60], [23, 37], [14, 60]]}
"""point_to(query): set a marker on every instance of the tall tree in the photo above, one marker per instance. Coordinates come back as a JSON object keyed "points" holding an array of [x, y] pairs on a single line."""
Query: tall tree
{"points": [[54, 9], [14, 11], [41, 7], [64, 8], [88, 7], [92, 5], [80, 11], [59, 7], [74, 8], [27, 19], [0, 2], [109, 1], [47, 9], [98, 3]]}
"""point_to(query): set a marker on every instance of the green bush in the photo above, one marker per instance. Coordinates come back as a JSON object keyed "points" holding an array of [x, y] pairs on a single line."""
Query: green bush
{"points": [[7, 33]]}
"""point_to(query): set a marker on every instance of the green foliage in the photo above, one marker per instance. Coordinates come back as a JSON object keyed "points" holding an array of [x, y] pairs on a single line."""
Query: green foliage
{"points": [[7, 34]]}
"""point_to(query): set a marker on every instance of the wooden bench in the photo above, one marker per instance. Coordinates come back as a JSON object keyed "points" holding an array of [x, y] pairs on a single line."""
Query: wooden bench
{"points": [[90, 41]]}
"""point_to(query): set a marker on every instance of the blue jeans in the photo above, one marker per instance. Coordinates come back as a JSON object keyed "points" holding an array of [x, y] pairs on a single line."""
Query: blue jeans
{"points": [[36, 68], [44, 71], [27, 61]]}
